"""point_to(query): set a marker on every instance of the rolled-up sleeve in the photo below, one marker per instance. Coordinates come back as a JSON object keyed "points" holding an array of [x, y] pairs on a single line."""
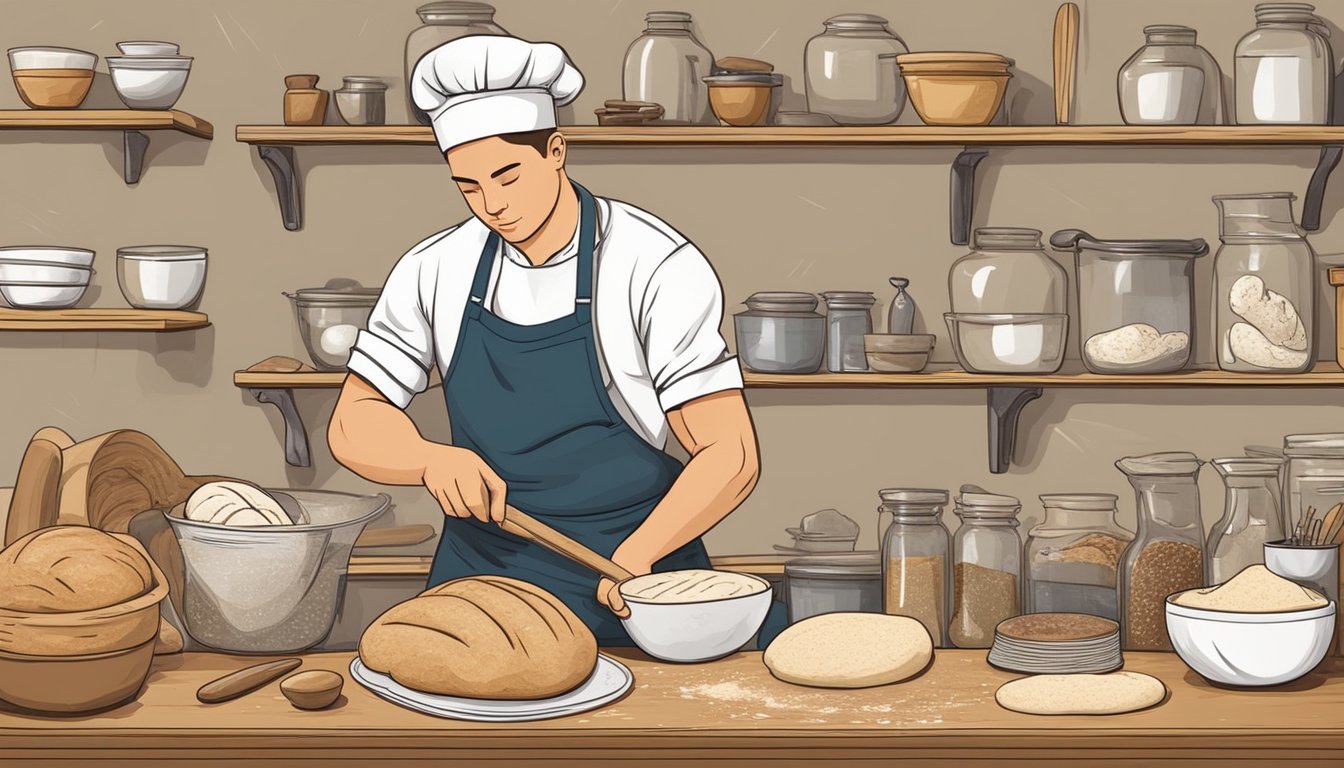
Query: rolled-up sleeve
{"points": [[395, 353], [679, 325]]}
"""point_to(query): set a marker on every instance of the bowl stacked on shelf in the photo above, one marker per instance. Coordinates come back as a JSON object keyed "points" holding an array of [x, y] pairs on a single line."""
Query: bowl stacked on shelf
{"points": [[149, 75], [956, 87], [161, 276], [44, 277], [52, 78]]}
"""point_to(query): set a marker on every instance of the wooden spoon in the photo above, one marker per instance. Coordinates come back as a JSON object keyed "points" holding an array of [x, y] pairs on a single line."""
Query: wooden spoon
{"points": [[1066, 61], [245, 681], [525, 526]]}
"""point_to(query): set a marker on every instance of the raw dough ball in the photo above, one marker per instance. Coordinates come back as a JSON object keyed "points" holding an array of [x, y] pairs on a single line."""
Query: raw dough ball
{"points": [[70, 568], [484, 637], [1255, 590], [1135, 344], [1110, 694], [234, 503], [695, 585], [850, 650], [1271, 313], [338, 339], [317, 689], [1251, 346]]}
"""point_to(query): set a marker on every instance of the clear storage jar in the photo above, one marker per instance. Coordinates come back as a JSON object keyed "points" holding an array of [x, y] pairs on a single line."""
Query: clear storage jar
{"points": [[1073, 556], [1251, 516], [443, 22], [1264, 286], [849, 315], [667, 65], [1007, 272], [780, 333], [987, 568], [1171, 80], [915, 550], [1167, 554], [1313, 474], [1284, 68], [851, 73], [1136, 301]]}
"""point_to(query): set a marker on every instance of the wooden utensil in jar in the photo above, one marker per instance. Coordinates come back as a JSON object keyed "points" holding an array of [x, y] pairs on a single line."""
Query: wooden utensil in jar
{"points": [[525, 526], [1066, 61], [245, 681]]}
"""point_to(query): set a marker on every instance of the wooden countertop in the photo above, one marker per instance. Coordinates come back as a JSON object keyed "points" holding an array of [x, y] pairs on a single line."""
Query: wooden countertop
{"points": [[730, 711]]}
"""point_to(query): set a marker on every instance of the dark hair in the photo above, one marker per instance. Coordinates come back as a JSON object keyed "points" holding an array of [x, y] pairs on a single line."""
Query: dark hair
{"points": [[537, 140]]}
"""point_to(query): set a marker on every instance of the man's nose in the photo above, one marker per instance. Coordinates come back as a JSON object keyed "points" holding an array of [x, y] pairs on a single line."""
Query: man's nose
{"points": [[494, 207]]}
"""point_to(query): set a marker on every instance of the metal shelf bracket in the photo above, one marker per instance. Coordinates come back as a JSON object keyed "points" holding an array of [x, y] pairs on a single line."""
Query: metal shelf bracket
{"points": [[963, 192], [1005, 407], [1311, 205], [280, 159], [296, 436], [134, 144]]}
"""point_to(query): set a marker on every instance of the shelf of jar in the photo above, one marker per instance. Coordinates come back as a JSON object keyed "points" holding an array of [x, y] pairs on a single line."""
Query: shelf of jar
{"points": [[1323, 375], [133, 124], [98, 319]]}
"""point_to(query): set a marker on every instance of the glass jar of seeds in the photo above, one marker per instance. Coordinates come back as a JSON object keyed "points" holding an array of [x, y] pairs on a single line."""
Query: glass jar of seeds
{"points": [[915, 551], [987, 567], [1073, 556]]}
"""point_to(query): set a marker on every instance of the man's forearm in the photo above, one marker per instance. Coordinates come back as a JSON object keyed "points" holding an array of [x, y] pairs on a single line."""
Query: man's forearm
{"points": [[376, 440]]}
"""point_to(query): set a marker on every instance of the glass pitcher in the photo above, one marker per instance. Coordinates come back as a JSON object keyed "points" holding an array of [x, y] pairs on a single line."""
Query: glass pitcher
{"points": [[1250, 516], [440, 23], [1171, 80], [1264, 286], [667, 65], [1167, 554]]}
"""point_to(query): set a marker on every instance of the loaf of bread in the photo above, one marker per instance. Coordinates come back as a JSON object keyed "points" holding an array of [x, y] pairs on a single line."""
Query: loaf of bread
{"points": [[70, 568], [234, 503], [484, 637]]}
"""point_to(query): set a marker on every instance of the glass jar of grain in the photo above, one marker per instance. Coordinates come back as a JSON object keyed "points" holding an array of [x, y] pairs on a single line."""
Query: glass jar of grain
{"points": [[1251, 516], [915, 558], [1167, 554], [987, 567], [1073, 555]]}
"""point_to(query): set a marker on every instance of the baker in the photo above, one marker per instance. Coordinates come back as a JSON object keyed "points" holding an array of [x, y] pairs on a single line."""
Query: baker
{"points": [[572, 334]]}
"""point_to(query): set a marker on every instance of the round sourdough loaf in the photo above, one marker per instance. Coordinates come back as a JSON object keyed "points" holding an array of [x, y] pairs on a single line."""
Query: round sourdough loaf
{"points": [[850, 650], [234, 503], [70, 568], [483, 637]]}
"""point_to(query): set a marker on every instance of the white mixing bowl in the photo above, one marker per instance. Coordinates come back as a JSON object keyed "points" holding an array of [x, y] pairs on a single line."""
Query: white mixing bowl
{"points": [[1250, 649], [695, 632]]}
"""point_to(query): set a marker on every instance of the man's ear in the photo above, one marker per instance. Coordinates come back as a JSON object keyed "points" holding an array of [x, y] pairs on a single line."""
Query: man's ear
{"points": [[556, 149]]}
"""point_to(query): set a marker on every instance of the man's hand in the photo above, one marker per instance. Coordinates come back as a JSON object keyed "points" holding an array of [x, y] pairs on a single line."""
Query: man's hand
{"points": [[608, 591], [464, 485]]}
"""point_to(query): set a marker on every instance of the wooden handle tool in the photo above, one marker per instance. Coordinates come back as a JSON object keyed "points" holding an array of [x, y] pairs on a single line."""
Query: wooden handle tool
{"points": [[395, 536], [1066, 61], [245, 681], [525, 526]]}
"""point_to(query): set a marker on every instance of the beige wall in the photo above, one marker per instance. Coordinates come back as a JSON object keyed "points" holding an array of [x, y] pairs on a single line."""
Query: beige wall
{"points": [[815, 220]]}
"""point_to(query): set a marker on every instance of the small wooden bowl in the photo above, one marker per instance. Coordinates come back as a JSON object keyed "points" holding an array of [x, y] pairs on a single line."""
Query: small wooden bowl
{"points": [[315, 689]]}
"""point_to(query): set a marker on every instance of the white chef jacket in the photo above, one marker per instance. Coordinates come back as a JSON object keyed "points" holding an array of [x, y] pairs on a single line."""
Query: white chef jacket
{"points": [[657, 307]]}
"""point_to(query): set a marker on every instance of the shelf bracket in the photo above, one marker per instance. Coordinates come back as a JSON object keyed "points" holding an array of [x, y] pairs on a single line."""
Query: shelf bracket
{"points": [[280, 159], [1311, 206], [963, 192], [134, 144], [296, 437], [1005, 406]]}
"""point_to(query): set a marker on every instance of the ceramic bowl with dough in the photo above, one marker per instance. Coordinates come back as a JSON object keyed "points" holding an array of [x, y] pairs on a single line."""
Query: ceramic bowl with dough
{"points": [[694, 615], [1250, 649]]}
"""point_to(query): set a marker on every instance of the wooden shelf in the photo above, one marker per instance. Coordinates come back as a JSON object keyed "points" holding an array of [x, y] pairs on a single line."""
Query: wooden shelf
{"points": [[96, 319], [305, 380], [133, 123], [1324, 375]]}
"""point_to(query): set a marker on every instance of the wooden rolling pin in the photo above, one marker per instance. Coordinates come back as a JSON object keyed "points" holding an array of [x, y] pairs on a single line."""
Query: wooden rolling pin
{"points": [[245, 681], [523, 525]]}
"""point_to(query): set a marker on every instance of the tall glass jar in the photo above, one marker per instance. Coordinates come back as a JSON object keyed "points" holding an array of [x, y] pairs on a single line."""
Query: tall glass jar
{"points": [[987, 567], [915, 558], [667, 65], [1250, 518], [1313, 475], [1007, 272], [1264, 286], [1167, 554], [1284, 67], [440, 23], [849, 315], [1171, 81], [851, 73], [1073, 556]]}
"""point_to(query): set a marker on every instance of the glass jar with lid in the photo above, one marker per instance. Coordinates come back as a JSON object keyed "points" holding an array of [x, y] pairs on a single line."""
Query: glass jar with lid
{"points": [[1284, 67], [987, 567], [442, 22], [667, 65], [1264, 278], [1313, 474], [1136, 301], [1167, 554], [915, 550], [780, 332], [849, 315], [1073, 556], [1250, 518], [851, 73], [1171, 80]]}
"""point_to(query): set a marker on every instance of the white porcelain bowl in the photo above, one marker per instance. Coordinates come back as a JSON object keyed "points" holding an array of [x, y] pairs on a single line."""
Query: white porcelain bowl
{"points": [[147, 48], [47, 254], [43, 274], [47, 57], [161, 276], [149, 82], [1250, 649], [695, 632], [49, 296]]}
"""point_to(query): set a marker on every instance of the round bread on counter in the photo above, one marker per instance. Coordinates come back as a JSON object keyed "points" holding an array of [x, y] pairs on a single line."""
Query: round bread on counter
{"points": [[696, 585], [1110, 694], [483, 637], [70, 568], [850, 650], [315, 689], [234, 503]]}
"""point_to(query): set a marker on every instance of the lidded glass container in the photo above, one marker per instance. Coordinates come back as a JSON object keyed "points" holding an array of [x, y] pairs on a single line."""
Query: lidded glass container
{"points": [[849, 315], [987, 567], [1284, 67], [915, 548], [1264, 277], [1073, 556], [442, 22], [851, 72], [1167, 554], [1250, 518], [780, 332], [1171, 81], [1136, 301], [1007, 272], [1312, 476], [667, 65]]}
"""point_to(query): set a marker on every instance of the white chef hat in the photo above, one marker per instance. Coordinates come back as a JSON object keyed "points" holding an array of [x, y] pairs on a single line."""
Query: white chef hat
{"points": [[488, 85]]}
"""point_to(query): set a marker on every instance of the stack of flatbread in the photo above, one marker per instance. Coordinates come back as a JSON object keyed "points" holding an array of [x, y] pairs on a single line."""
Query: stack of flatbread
{"points": [[1057, 643]]}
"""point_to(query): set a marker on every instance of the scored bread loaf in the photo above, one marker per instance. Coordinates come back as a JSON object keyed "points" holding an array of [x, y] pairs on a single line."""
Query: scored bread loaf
{"points": [[70, 568], [483, 637], [234, 503]]}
